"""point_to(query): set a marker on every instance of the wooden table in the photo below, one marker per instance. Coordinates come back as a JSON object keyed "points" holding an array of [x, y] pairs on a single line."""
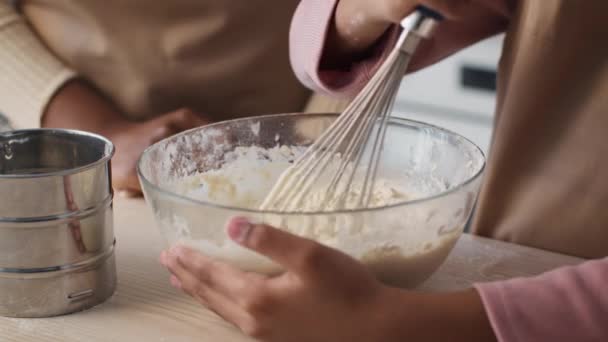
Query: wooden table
{"points": [[146, 308]]}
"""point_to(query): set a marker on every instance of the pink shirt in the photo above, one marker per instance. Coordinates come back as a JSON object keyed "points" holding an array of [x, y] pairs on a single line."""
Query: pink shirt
{"points": [[568, 304]]}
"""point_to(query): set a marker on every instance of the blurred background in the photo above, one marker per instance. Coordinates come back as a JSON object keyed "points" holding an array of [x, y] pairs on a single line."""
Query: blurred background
{"points": [[458, 93]]}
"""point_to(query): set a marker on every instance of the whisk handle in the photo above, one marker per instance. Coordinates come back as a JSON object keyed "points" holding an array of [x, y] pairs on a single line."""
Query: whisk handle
{"points": [[421, 23], [427, 12]]}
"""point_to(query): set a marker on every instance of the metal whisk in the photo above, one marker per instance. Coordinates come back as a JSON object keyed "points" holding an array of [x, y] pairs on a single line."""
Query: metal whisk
{"points": [[337, 154]]}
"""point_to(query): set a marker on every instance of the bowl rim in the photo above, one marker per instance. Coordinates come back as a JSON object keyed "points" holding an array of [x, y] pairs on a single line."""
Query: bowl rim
{"points": [[397, 120], [107, 154]]}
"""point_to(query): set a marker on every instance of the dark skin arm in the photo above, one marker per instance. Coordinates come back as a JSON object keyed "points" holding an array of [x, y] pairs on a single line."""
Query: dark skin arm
{"points": [[77, 105], [69, 105]]}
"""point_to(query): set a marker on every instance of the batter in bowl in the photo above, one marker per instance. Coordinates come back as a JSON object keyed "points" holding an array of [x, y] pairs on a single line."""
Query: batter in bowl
{"points": [[398, 256]]}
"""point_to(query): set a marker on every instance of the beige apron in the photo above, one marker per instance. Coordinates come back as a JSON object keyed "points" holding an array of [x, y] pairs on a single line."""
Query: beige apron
{"points": [[547, 180], [223, 58]]}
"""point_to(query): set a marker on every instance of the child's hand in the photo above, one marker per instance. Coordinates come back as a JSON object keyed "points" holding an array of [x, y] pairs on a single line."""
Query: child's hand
{"points": [[323, 296], [359, 23]]}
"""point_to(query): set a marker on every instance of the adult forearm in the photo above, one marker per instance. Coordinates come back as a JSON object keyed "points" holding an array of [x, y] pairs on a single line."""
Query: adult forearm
{"points": [[77, 105]]}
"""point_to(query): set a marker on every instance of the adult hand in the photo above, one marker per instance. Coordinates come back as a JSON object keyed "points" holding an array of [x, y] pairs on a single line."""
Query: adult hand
{"points": [[360, 23], [78, 106], [132, 138], [324, 295]]}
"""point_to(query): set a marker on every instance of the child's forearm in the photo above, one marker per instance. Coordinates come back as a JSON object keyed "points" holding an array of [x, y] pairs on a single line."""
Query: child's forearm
{"points": [[567, 304], [458, 316]]}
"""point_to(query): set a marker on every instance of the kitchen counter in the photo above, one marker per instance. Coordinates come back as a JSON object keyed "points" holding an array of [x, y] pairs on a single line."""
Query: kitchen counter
{"points": [[146, 308]]}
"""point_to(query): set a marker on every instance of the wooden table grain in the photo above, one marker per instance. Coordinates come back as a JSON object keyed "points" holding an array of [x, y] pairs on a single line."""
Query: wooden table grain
{"points": [[146, 308]]}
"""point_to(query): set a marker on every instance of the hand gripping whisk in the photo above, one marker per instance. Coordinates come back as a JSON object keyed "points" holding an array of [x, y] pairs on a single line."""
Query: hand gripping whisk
{"points": [[336, 160]]}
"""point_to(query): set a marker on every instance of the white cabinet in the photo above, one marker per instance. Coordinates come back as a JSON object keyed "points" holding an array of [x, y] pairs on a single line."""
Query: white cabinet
{"points": [[457, 93]]}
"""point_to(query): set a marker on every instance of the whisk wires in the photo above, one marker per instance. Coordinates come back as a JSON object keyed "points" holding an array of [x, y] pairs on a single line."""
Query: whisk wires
{"points": [[348, 153]]}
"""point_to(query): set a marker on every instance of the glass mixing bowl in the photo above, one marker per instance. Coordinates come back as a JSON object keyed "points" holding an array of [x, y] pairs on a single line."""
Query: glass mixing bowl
{"points": [[402, 243]]}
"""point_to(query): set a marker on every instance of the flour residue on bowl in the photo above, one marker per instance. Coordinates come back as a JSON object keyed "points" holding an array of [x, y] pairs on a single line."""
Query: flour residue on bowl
{"points": [[247, 174]]}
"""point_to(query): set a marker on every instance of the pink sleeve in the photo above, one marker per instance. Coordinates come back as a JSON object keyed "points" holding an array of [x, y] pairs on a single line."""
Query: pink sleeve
{"points": [[309, 29], [568, 304]]}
